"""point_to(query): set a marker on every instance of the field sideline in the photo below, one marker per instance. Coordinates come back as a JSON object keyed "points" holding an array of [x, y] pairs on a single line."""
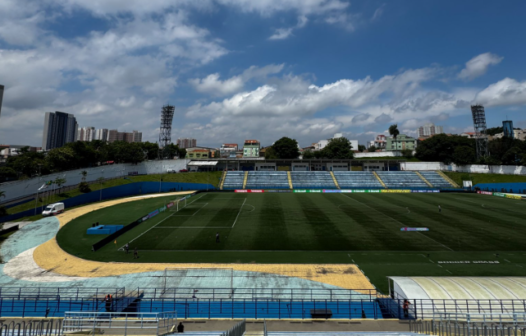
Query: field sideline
{"points": [[321, 228]]}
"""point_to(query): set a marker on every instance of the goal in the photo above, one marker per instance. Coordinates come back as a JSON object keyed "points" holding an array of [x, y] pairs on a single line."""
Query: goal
{"points": [[192, 282], [177, 205]]}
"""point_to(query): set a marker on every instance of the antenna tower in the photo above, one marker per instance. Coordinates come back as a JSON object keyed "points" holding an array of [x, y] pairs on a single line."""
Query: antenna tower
{"points": [[479, 123], [165, 131]]}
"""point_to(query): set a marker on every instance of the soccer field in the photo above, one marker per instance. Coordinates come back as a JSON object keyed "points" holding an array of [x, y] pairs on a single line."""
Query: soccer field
{"points": [[320, 228], [339, 222]]}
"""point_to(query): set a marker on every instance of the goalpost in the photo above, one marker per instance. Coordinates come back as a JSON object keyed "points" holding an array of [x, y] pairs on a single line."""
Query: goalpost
{"points": [[177, 205], [188, 282]]}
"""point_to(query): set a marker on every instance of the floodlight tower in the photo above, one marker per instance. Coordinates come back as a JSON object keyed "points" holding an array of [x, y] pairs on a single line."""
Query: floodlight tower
{"points": [[479, 123], [165, 131]]}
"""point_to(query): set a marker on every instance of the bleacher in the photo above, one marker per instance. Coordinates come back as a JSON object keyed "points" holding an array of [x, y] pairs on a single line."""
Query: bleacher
{"points": [[401, 179], [234, 180], [435, 179], [357, 179], [312, 180], [267, 180], [323, 180]]}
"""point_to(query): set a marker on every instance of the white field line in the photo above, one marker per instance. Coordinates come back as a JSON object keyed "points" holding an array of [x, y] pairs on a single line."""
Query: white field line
{"points": [[396, 221], [241, 208], [156, 225]]}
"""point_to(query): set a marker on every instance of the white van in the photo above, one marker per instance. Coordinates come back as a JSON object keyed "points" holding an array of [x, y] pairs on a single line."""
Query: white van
{"points": [[53, 209]]}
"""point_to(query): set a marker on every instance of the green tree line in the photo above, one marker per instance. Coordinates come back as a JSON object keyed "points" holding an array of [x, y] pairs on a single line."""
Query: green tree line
{"points": [[81, 154]]}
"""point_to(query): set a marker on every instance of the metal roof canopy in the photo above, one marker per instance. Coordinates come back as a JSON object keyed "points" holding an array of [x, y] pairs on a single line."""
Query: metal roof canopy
{"points": [[202, 163]]}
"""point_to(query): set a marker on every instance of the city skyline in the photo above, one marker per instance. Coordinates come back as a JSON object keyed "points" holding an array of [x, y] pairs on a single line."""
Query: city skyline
{"points": [[236, 70]]}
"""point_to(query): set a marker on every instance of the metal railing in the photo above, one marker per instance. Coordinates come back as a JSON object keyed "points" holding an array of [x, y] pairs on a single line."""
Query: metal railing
{"points": [[258, 293], [48, 327], [237, 330], [120, 323], [456, 328], [73, 293]]}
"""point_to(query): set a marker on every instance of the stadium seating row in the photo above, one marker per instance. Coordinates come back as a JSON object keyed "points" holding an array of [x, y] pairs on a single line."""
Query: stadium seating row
{"points": [[324, 180]]}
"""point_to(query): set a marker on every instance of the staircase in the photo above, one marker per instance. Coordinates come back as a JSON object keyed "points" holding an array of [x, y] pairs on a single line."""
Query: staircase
{"points": [[334, 179], [245, 180], [445, 177], [223, 180], [424, 179], [379, 179], [290, 180]]}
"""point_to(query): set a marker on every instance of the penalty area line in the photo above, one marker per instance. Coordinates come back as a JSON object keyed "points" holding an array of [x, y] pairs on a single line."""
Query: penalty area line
{"points": [[240, 208], [122, 247]]}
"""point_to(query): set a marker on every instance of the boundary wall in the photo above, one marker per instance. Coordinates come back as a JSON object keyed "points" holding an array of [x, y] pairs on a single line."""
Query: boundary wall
{"points": [[18, 189], [132, 189], [481, 169]]}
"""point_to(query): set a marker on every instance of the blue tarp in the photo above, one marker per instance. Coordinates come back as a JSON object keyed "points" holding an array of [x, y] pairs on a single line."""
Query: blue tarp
{"points": [[515, 187]]}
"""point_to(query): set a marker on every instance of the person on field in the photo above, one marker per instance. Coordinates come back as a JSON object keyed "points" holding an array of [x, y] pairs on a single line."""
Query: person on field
{"points": [[127, 248], [217, 237], [439, 208], [135, 253], [406, 308]]}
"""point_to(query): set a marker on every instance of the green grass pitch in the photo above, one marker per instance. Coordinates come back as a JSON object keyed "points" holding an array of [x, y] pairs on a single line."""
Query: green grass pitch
{"points": [[321, 228]]}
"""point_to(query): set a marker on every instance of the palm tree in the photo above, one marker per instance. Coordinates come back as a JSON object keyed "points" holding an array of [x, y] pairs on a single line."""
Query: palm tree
{"points": [[393, 131]]}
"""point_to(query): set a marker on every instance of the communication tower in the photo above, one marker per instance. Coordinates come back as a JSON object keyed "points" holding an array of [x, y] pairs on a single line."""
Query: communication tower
{"points": [[479, 123]]}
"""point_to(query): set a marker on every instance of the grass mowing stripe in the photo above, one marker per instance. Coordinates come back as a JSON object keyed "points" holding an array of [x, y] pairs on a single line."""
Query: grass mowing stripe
{"points": [[269, 221], [447, 247], [476, 224], [333, 237], [157, 224]]}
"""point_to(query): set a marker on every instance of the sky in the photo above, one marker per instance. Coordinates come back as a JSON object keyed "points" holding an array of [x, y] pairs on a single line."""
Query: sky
{"points": [[247, 69]]}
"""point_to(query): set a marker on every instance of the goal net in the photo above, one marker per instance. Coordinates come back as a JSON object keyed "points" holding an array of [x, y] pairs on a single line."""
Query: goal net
{"points": [[196, 282], [177, 205]]}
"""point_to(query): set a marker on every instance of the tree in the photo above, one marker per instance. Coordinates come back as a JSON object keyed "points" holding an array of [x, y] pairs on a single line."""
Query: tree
{"points": [[286, 148], [463, 155], [270, 153], [393, 130], [371, 149], [440, 148], [361, 148], [308, 154], [152, 150], [513, 156], [61, 158], [60, 182], [339, 148], [407, 153], [494, 130]]}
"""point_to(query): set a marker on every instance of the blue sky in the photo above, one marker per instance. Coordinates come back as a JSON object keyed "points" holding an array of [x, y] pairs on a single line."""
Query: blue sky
{"points": [[247, 69]]}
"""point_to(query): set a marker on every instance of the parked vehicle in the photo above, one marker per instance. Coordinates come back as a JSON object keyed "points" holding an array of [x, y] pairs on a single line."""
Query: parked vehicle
{"points": [[171, 171], [183, 171], [53, 209]]}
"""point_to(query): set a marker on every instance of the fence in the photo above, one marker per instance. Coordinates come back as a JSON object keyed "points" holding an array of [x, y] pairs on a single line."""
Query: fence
{"points": [[458, 328], [119, 323], [132, 189], [428, 309], [48, 327]]}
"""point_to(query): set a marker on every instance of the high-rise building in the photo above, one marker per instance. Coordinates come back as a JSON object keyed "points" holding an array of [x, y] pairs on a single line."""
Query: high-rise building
{"points": [[114, 135], [186, 143], [429, 130], [101, 134], [137, 136], [59, 129], [507, 128], [86, 134], [1, 98]]}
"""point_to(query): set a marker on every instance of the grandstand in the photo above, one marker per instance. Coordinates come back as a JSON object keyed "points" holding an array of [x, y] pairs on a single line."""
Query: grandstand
{"points": [[341, 180]]}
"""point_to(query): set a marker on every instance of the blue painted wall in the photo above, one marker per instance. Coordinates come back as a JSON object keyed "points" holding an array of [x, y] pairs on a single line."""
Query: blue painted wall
{"points": [[132, 189], [516, 187]]}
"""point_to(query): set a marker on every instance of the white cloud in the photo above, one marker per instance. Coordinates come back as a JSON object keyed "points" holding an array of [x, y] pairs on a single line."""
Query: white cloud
{"points": [[477, 66], [505, 92], [217, 87], [283, 33], [378, 13]]}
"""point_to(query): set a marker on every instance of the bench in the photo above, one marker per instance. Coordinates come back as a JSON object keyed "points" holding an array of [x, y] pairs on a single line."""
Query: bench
{"points": [[321, 313]]}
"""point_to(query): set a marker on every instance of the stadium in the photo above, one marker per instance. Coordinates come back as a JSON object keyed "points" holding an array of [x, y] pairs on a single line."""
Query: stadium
{"points": [[275, 247]]}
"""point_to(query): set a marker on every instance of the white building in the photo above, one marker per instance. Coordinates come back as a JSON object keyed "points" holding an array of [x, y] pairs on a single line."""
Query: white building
{"points": [[86, 134], [101, 134], [323, 143], [429, 130]]}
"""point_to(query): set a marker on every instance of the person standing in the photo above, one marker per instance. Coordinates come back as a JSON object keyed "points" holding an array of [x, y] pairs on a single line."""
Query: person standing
{"points": [[127, 248], [406, 308], [180, 327], [439, 208], [135, 253], [217, 237]]}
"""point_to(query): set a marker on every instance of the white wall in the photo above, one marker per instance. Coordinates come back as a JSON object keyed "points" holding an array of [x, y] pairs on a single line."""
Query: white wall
{"points": [[378, 154], [482, 169], [18, 189]]}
